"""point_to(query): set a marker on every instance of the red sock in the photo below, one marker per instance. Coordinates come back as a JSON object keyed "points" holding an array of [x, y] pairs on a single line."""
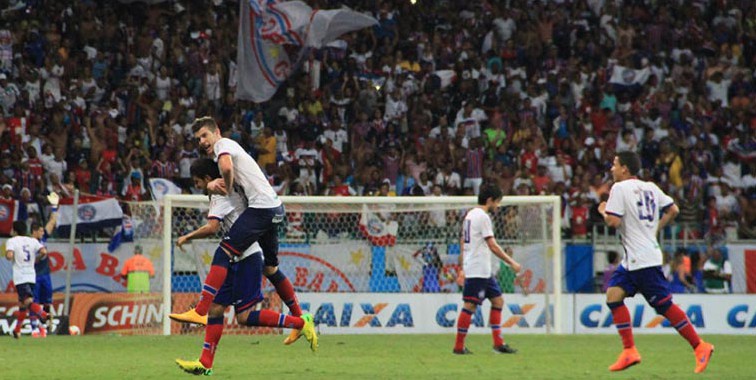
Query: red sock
{"points": [[37, 309], [213, 282], [285, 290], [20, 317], [270, 318], [213, 333], [679, 320], [621, 317], [495, 320], [463, 323]]}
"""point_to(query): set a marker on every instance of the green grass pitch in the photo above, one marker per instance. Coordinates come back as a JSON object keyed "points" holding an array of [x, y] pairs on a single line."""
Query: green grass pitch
{"points": [[370, 357]]}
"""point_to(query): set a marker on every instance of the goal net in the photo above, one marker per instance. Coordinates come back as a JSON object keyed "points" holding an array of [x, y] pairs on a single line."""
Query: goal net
{"points": [[366, 245]]}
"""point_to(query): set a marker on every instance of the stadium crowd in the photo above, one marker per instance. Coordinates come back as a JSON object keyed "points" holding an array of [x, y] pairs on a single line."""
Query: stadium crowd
{"points": [[437, 98]]}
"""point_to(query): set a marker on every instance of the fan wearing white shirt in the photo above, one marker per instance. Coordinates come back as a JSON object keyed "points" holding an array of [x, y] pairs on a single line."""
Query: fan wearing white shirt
{"points": [[24, 251], [638, 209], [478, 244]]}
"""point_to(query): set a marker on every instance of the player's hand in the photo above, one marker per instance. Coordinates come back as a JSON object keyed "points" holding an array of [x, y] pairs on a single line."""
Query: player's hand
{"points": [[181, 241], [217, 186], [461, 278], [516, 267], [602, 208], [54, 199]]}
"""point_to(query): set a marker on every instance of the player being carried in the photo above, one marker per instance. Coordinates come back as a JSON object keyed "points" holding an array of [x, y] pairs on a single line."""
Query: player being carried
{"points": [[242, 287], [638, 209], [43, 288], [478, 243], [23, 251]]}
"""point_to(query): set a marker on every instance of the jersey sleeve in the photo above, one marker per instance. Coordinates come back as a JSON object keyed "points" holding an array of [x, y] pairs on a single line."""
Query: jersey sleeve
{"points": [[616, 205], [220, 206], [222, 147], [486, 227], [10, 245], [664, 200]]}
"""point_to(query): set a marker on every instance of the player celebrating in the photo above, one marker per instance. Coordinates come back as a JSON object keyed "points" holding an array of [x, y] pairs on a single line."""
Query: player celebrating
{"points": [[258, 223], [478, 243], [23, 251], [634, 208], [242, 286], [43, 288]]}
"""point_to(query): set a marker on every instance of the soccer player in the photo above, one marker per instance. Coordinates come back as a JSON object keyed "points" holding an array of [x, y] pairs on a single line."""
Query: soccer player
{"points": [[242, 287], [258, 223], [23, 251], [478, 243], [638, 209], [43, 288]]}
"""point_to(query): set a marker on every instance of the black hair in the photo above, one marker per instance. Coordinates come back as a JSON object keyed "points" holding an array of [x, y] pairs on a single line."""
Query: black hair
{"points": [[631, 160], [489, 191], [20, 227], [206, 121], [35, 226], [204, 167]]}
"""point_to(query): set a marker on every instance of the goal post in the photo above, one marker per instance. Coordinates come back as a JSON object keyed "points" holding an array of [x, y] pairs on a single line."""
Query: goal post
{"points": [[391, 232]]}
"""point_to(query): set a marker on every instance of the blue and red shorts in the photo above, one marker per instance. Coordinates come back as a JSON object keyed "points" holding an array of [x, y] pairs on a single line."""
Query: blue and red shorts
{"points": [[243, 286], [650, 282], [25, 290], [478, 289], [256, 225]]}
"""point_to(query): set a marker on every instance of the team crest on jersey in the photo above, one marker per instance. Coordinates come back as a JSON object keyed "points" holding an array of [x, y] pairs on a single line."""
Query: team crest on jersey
{"points": [[4, 213], [87, 213]]}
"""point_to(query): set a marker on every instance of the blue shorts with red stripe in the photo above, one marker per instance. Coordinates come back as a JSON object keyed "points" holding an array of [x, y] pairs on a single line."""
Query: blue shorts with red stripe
{"points": [[650, 282], [478, 289], [243, 286], [256, 225]]}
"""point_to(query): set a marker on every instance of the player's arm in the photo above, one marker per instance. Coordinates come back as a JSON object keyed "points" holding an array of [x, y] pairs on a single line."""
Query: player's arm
{"points": [[500, 253], [54, 199], [669, 215], [9, 255], [209, 229], [42, 253], [226, 167], [461, 272], [610, 219]]}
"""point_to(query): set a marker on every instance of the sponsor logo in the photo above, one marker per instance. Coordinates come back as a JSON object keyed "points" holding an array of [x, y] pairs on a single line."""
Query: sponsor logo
{"points": [[361, 315], [107, 316], [741, 316], [87, 213], [599, 316], [314, 274], [4, 213], [523, 315]]}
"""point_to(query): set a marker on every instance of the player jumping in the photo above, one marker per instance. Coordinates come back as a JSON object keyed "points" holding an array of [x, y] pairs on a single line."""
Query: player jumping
{"points": [[634, 208], [478, 243]]}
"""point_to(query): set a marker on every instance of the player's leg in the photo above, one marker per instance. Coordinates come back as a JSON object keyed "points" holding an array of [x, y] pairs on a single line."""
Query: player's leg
{"points": [[655, 289], [493, 293], [247, 290], [33, 318], [473, 294], [620, 286], [247, 229]]}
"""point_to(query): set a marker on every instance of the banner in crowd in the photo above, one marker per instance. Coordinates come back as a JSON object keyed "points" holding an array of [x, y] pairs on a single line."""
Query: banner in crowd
{"points": [[378, 230], [8, 215], [743, 260], [94, 213], [265, 27], [94, 269], [626, 76]]}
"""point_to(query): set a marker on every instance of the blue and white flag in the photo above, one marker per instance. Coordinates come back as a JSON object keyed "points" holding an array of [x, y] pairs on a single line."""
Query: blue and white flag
{"points": [[267, 28], [94, 213], [626, 76], [160, 187]]}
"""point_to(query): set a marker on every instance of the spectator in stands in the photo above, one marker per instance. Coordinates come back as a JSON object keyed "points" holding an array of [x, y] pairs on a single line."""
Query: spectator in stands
{"points": [[717, 272]]}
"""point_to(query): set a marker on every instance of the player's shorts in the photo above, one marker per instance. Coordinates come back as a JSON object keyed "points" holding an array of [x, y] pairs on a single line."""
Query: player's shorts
{"points": [[43, 290], [243, 286], [25, 290], [650, 282], [478, 289], [256, 225]]}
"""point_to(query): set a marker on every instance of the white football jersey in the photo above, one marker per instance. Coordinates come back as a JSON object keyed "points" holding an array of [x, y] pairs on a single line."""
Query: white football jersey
{"points": [[478, 261], [25, 251], [639, 204], [227, 209], [248, 177]]}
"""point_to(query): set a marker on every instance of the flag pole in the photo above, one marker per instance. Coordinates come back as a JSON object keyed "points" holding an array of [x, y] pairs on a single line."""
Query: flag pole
{"points": [[69, 259]]}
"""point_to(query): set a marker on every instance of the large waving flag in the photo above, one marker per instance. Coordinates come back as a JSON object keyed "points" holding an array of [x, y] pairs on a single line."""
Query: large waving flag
{"points": [[377, 231], [161, 187], [94, 213], [267, 27]]}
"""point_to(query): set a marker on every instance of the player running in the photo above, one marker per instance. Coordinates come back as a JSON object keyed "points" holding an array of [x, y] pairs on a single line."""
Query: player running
{"points": [[242, 287], [23, 251], [478, 243], [638, 209], [258, 223], [43, 288]]}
